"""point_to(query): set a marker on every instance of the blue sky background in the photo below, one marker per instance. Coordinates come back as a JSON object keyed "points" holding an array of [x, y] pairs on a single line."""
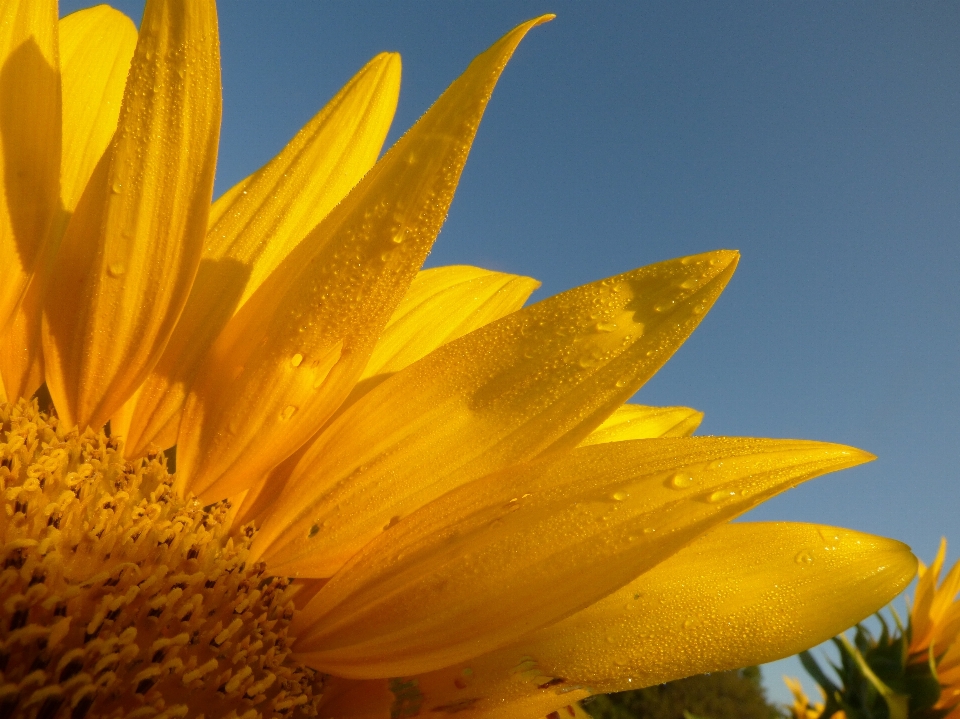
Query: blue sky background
{"points": [[821, 139]]}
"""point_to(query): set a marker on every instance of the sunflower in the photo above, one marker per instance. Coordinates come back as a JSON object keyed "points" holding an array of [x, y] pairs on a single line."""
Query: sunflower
{"points": [[935, 630], [802, 707], [397, 492]]}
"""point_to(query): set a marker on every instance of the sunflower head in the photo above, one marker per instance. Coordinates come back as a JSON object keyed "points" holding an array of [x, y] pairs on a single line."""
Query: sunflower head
{"points": [[398, 491]]}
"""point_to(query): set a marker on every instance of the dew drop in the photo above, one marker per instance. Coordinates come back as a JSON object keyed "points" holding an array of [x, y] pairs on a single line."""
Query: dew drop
{"points": [[296, 359], [649, 530], [664, 306], [715, 464], [116, 187], [720, 495], [288, 412], [618, 496], [681, 480], [115, 269], [804, 558], [606, 326], [698, 309], [621, 382], [691, 283], [399, 237]]}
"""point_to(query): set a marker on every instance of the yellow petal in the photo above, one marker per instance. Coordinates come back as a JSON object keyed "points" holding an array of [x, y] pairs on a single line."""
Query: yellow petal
{"points": [[329, 300], [226, 201], [744, 594], [133, 245], [538, 380], [95, 50], [635, 421], [96, 46], [260, 220], [29, 140], [21, 358], [922, 626], [441, 305], [741, 594], [513, 552]]}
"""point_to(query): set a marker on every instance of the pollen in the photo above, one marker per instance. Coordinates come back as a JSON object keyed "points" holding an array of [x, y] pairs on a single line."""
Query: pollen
{"points": [[119, 599]]}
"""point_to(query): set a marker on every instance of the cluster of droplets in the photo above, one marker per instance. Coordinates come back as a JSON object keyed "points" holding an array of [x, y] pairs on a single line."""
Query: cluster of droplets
{"points": [[121, 599]]}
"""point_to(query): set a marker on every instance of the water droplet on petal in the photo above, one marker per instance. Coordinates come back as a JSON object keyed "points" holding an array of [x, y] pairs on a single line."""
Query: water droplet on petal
{"points": [[720, 495], [681, 480], [606, 326], [116, 187], [804, 558], [296, 359], [618, 496], [115, 269], [649, 530], [665, 306], [288, 412]]}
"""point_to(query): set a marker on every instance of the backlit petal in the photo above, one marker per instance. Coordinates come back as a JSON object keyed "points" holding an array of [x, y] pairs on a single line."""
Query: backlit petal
{"points": [[513, 552], [261, 220], [95, 50], [441, 305], [709, 607], [292, 353], [133, 245], [30, 141], [538, 380], [21, 358], [96, 46], [636, 421], [925, 595], [705, 609]]}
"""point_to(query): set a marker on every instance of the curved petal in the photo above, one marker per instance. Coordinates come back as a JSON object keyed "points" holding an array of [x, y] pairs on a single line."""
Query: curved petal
{"points": [[30, 136], [538, 380], [923, 624], [636, 421], [442, 304], [293, 352], [21, 357], [513, 552], [736, 596], [131, 250], [96, 47], [260, 221]]}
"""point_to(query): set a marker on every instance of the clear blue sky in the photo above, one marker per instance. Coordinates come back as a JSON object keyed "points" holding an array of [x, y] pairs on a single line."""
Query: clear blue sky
{"points": [[821, 139]]}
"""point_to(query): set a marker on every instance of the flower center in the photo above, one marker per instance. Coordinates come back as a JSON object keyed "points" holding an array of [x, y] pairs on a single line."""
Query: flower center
{"points": [[119, 598]]}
